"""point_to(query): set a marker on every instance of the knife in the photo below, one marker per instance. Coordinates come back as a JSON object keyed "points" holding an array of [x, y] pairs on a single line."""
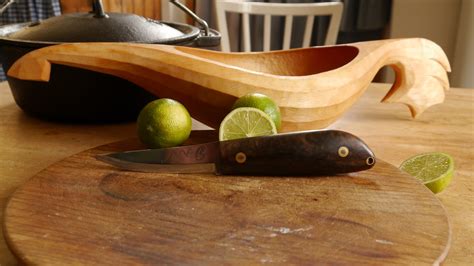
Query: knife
{"points": [[318, 152]]}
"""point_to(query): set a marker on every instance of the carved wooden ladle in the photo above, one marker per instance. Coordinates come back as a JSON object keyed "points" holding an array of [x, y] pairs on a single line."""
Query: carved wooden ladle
{"points": [[313, 86]]}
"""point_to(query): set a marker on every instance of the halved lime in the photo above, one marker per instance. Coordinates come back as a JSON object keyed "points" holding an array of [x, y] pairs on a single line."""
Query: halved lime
{"points": [[434, 169], [246, 122], [262, 102]]}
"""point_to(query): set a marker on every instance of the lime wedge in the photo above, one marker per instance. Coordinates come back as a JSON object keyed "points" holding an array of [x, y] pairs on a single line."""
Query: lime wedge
{"points": [[435, 169], [262, 102], [246, 122]]}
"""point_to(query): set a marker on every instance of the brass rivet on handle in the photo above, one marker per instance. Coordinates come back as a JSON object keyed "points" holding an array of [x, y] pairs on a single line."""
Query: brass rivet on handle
{"points": [[343, 151], [370, 161], [240, 157]]}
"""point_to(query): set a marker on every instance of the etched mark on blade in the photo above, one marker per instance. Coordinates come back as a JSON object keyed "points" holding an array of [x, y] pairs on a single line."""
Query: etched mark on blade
{"points": [[190, 154]]}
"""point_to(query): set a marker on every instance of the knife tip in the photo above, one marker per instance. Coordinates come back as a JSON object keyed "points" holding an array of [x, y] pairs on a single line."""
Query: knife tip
{"points": [[100, 157], [103, 158]]}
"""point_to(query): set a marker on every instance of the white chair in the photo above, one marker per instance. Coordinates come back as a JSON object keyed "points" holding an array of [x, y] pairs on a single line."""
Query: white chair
{"points": [[310, 10]]}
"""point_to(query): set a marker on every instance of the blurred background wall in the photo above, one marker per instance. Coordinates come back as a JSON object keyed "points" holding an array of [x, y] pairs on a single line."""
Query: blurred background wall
{"points": [[449, 23]]}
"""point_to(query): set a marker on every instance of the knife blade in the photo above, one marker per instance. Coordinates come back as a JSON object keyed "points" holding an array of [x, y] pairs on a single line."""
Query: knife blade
{"points": [[317, 152]]}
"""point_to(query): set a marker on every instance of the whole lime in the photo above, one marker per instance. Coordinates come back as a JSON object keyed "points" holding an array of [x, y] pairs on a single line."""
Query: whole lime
{"points": [[262, 102], [163, 123]]}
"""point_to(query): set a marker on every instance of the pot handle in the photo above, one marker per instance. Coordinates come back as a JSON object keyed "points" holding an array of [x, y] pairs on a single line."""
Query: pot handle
{"points": [[5, 5], [188, 11], [210, 37]]}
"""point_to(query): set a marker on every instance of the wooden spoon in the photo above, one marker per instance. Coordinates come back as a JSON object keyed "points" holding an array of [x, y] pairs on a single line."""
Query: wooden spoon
{"points": [[313, 86]]}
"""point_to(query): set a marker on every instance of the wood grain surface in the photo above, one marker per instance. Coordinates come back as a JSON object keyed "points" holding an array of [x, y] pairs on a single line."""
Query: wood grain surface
{"points": [[83, 211], [146, 8], [312, 86], [28, 145], [73, 6]]}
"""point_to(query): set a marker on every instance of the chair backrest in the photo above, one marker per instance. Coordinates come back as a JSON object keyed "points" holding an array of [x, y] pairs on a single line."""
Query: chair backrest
{"points": [[310, 10]]}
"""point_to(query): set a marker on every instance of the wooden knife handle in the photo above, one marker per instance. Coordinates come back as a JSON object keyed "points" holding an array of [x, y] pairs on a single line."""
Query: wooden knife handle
{"points": [[311, 153]]}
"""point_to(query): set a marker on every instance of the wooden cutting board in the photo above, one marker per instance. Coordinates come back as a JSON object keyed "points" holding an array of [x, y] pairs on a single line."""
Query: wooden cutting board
{"points": [[80, 210]]}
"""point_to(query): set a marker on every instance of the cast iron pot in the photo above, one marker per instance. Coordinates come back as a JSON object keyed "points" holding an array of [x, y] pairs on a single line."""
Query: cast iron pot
{"points": [[78, 95]]}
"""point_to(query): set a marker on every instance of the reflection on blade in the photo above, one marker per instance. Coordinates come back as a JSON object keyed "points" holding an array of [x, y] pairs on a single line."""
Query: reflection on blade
{"points": [[191, 154], [158, 168]]}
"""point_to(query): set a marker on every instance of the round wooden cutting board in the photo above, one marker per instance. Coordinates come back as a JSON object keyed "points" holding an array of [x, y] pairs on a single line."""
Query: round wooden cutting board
{"points": [[82, 211]]}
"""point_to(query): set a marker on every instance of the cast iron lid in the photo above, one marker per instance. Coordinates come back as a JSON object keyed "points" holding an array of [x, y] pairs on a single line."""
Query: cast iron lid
{"points": [[113, 27], [116, 27], [97, 26]]}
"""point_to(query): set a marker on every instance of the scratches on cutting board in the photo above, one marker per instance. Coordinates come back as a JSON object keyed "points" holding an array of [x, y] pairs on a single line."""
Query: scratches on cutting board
{"points": [[286, 230]]}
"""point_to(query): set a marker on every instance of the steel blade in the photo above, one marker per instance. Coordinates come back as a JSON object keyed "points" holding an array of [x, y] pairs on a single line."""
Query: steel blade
{"points": [[156, 167], [191, 154], [198, 158]]}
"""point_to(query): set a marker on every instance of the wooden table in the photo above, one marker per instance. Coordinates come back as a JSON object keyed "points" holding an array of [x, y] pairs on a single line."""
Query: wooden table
{"points": [[27, 145]]}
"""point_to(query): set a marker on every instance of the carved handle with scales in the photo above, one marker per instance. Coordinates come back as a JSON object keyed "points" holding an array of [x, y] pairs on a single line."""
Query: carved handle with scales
{"points": [[313, 86]]}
